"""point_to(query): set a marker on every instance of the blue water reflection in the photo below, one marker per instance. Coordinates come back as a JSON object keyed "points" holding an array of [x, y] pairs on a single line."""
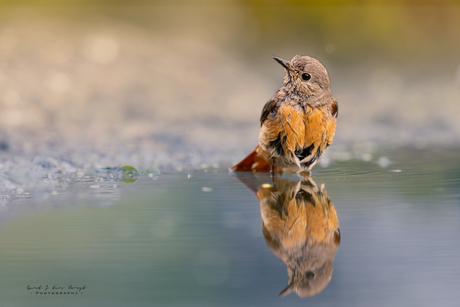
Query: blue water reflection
{"points": [[198, 238]]}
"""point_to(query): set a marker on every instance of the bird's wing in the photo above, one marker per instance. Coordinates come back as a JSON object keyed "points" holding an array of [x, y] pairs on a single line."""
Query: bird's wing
{"points": [[271, 106], [334, 108]]}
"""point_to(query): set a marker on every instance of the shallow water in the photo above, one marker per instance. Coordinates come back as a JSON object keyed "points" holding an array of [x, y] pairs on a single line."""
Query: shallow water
{"points": [[194, 238]]}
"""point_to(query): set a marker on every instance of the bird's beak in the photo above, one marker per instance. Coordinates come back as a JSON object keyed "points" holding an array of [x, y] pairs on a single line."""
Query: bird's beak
{"points": [[291, 286], [283, 63]]}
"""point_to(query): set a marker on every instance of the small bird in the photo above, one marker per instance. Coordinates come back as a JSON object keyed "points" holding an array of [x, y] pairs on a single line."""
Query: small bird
{"points": [[301, 227], [297, 123]]}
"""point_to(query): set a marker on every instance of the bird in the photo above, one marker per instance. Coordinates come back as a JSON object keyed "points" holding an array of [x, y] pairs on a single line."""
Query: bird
{"points": [[301, 227], [298, 123]]}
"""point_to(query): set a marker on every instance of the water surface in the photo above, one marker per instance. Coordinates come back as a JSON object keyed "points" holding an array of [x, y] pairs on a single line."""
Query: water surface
{"points": [[194, 238]]}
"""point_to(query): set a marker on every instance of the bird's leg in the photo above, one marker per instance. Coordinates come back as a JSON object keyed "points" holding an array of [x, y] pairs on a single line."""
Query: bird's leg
{"points": [[305, 175], [272, 170], [311, 182]]}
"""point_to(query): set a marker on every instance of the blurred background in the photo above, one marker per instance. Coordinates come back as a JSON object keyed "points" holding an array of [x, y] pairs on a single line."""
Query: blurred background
{"points": [[173, 84], [176, 88]]}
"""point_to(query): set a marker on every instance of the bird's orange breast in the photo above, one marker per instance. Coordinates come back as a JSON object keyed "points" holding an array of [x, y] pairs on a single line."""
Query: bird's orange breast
{"points": [[319, 128], [297, 128]]}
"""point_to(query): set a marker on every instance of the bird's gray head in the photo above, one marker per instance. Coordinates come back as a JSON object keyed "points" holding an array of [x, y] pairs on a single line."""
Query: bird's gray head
{"points": [[305, 76]]}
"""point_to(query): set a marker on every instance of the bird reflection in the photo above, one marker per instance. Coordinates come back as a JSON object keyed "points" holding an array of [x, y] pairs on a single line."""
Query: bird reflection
{"points": [[301, 228]]}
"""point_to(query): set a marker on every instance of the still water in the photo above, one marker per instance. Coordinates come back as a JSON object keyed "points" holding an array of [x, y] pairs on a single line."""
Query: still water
{"points": [[384, 235]]}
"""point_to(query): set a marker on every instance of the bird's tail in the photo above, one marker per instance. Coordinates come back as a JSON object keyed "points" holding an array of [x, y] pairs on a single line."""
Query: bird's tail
{"points": [[254, 162]]}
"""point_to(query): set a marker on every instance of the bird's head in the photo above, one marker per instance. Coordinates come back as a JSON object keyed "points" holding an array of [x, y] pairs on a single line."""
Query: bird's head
{"points": [[305, 76]]}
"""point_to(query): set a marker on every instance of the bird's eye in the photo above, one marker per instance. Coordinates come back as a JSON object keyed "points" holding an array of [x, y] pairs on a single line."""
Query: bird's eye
{"points": [[306, 76], [310, 275]]}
